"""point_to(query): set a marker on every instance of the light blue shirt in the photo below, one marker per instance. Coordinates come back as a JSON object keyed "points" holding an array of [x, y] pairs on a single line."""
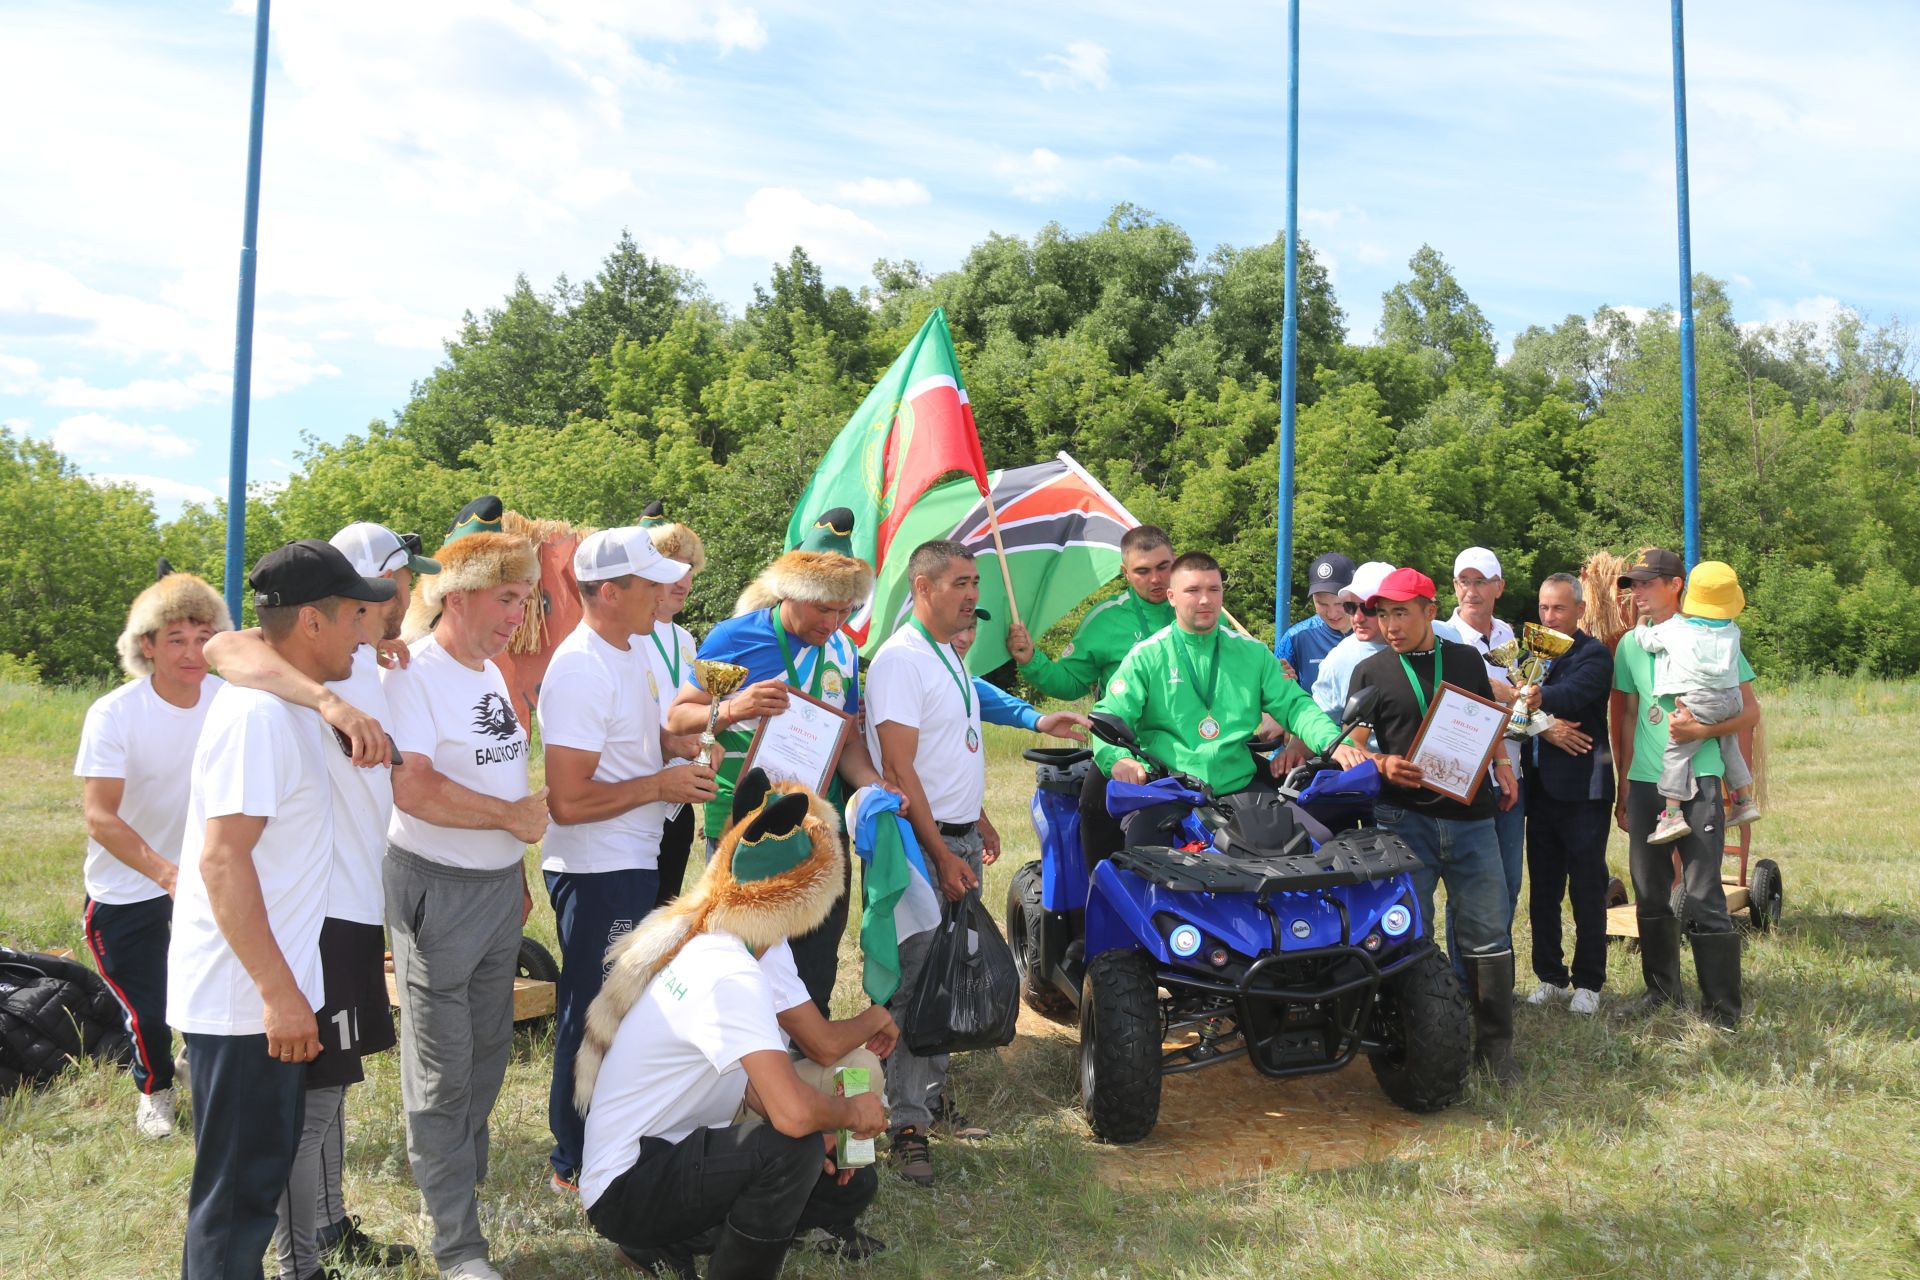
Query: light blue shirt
{"points": [[1336, 669]]}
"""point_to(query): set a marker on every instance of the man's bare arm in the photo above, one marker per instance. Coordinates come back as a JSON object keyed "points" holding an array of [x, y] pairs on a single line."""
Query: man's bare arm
{"points": [[233, 892], [246, 659], [101, 802], [899, 743], [423, 792], [574, 796]]}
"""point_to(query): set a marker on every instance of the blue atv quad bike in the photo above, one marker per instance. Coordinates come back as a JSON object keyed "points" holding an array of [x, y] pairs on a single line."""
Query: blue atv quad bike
{"points": [[1249, 941]]}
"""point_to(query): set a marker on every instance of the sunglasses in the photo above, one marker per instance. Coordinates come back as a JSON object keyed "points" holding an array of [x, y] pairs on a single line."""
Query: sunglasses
{"points": [[1354, 606], [410, 545]]}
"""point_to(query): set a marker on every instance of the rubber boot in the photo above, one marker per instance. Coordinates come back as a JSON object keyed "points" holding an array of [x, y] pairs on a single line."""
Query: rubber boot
{"points": [[741, 1257], [1490, 979], [1659, 964], [1716, 957]]}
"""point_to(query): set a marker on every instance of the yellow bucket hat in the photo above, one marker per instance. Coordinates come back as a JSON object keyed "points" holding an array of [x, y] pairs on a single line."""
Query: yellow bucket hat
{"points": [[1713, 591]]}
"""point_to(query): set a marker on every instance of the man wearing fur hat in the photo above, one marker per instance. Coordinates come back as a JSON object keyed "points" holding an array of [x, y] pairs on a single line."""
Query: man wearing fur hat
{"points": [[600, 722], [454, 877], [786, 632], [135, 749], [685, 1032], [670, 651]]}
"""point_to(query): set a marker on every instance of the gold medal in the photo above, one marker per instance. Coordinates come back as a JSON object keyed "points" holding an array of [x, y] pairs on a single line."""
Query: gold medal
{"points": [[1209, 728]]}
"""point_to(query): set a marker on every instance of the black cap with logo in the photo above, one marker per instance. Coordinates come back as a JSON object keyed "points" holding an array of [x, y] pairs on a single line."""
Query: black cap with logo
{"points": [[1652, 563], [309, 570], [1331, 572]]}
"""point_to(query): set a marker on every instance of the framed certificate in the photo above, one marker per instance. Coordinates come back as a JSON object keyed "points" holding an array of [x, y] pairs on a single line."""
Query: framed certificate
{"points": [[1456, 742], [802, 744]]}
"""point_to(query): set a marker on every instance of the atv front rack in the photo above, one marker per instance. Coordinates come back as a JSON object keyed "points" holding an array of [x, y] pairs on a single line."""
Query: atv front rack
{"points": [[1351, 857]]}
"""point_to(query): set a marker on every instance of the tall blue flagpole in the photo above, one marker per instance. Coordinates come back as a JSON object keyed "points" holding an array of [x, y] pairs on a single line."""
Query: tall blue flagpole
{"points": [[1689, 429], [243, 335], [1289, 336]]}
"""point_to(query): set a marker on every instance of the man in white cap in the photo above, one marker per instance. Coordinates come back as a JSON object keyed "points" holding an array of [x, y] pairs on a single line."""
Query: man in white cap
{"points": [[609, 789], [1477, 586]]}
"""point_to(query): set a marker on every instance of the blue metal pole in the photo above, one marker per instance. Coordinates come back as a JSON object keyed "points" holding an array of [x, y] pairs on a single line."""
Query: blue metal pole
{"points": [[1289, 336], [1689, 432], [243, 335]]}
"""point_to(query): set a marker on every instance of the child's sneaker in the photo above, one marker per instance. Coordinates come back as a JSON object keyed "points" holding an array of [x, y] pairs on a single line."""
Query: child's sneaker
{"points": [[1671, 827], [1744, 812]]}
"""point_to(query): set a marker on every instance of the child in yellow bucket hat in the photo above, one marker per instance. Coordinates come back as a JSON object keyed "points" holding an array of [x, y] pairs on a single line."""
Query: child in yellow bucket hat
{"points": [[1697, 659]]}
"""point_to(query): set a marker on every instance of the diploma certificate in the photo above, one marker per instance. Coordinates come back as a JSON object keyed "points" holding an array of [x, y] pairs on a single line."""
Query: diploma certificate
{"points": [[802, 744], [1456, 742]]}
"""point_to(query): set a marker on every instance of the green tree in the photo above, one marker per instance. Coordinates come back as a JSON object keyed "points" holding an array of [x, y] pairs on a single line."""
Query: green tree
{"points": [[1431, 313]]}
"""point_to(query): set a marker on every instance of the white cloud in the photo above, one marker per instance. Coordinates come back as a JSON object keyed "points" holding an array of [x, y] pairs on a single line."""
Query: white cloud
{"points": [[778, 218], [166, 493], [162, 394], [1820, 312], [695, 255], [19, 426], [18, 375], [1188, 160], [884, 191], [1038, 175], [1084, 64], [94, 437]]}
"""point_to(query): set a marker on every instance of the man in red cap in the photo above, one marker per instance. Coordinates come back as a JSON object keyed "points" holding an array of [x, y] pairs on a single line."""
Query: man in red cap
{"points": [[1455, 842]]}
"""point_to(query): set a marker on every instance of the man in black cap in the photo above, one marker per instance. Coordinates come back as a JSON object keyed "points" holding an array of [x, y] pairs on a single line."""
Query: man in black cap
{"points": [[1657, 578], [243, 968], [1311, 639]]}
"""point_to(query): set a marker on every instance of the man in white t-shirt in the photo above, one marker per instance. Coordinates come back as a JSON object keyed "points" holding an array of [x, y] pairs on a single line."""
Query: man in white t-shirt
{"points": [[135, 751], [243, 968], [609, 788], [355, 1021], [923, 727], [683, 1034], [455, 877], [671, 651]]}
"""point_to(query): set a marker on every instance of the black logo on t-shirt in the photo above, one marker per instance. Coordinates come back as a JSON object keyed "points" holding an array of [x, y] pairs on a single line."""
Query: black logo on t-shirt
{"points": [[493, 716]]}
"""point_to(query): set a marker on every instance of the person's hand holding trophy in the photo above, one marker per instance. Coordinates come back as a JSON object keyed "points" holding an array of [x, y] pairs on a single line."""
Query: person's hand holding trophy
{"points": [[1526, 660]]}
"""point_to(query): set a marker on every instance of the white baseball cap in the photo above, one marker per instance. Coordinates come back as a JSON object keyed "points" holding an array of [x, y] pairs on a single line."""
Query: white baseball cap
{"points": [[1479, 558], [374, 550], [1366, 581], [615, 553]]}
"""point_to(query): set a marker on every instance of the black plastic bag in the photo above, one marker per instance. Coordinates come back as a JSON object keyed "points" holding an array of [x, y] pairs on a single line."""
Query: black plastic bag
{"points": [[968, 995]]}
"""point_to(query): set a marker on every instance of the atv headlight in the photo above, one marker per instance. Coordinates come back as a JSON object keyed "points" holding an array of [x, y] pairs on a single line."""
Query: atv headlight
{"points": [[1184, 941], [1396, 921]]}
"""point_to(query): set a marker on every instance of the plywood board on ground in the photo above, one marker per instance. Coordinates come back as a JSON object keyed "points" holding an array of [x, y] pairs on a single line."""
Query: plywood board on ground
{"points": [[1622, 922], [531, 999]]}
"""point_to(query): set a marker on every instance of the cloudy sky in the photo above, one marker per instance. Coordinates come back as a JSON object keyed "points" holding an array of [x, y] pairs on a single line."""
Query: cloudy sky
{"points": [[420, 153]]}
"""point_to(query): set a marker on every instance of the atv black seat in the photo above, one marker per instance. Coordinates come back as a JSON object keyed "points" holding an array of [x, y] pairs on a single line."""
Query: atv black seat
{"points": [[1352, 857], [1061, 769]]}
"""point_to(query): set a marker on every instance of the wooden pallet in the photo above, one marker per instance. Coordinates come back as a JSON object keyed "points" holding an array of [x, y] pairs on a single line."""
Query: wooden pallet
{"points": [[531, 998], [1623, 922]]}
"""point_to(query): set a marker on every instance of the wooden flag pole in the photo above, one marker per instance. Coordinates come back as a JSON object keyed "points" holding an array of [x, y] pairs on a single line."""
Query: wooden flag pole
{"points": [[1000, 549], [1238, 625]]}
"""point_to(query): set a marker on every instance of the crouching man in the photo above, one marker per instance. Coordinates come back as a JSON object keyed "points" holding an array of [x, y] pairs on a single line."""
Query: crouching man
{"points": [[684, 1031]]}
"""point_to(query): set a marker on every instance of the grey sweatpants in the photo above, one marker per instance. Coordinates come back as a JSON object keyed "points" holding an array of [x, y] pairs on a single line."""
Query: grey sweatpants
{"points": [[915, 1083], [456, 942], [1709, 706], [305, 1203]]}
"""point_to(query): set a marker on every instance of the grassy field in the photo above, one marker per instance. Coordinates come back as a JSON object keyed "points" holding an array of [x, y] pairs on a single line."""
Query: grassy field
{"points": [[1654, 1150]]}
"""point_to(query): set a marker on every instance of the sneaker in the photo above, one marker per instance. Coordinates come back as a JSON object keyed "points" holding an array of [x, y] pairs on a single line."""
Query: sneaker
{"points": [[907, 1152], [1744, 812], [471, 1269], [1547, 993], [951, 1122], [154, 1115], [848, 1243], [1670, 827], [673, 1262], [1586, 1002], [356, 1248], [566, 1184]]}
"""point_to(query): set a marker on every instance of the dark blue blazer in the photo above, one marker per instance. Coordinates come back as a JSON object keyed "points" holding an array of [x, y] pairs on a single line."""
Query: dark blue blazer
{"points": [[1576, 689]]}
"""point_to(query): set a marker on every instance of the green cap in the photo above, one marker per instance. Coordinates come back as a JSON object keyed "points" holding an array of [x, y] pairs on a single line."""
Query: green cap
{"points": [[482, 515], [833, 531], [655, 515], [773, 842]]}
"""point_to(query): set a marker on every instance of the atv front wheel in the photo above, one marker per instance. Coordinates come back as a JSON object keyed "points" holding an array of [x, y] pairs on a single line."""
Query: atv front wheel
{"points": [[1120, 1029], [1427, 1027], [1025, 912]]}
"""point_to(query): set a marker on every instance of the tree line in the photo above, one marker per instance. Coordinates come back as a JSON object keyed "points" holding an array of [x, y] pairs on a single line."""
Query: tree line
{"points": [[1157, 369]]}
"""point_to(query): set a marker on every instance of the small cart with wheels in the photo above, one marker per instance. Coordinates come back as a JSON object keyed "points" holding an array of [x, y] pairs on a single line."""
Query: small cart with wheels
{"points": [[1755, 895]]}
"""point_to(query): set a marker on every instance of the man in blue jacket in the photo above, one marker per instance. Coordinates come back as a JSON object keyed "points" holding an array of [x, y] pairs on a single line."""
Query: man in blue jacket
{"points": [[1569, 782]]}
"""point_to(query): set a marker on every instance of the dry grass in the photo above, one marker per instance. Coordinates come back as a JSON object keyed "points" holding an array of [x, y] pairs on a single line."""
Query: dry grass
{"points": [[1647, 1151]]}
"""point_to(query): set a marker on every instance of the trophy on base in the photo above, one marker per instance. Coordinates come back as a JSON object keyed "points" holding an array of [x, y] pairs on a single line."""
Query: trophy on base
{"points": [[1526, 660], [719, 679]]}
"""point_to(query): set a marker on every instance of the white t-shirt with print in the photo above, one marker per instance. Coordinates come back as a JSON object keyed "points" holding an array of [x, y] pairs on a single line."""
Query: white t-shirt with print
{"points": [[362, 804], [462, 720], [908, 684], [595, 697], [264, 758], [138, 736], [783, 975], [674, 1065]]}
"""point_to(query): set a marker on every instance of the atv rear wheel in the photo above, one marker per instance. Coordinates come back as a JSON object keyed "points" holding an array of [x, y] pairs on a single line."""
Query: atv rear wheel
{"points": [[1428, 1029], [1120, 1030], [1025, 912]]}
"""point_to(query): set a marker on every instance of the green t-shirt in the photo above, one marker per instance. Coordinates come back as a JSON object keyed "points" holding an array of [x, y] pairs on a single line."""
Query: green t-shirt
{"points": [[1633, 673], [1104, 637], [1154, 692]]}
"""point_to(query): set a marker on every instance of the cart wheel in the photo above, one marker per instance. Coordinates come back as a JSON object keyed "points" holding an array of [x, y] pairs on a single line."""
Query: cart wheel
{"points": [[1616, 892], [537, 963], [1765, 896]]}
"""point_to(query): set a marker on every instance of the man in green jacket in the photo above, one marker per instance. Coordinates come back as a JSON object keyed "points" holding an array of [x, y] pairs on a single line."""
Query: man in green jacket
{"points": [[1194, 693]]}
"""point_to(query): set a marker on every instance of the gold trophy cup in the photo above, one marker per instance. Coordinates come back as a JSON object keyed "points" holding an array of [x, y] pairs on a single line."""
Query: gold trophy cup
{"points": [[719, 679], [1526, 660]]}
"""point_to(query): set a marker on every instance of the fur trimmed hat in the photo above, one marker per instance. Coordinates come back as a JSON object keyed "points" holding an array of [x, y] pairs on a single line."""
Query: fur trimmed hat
{"points": [[677, 542], [176, 597], [469, 562], [775, 874], [820, 570]]}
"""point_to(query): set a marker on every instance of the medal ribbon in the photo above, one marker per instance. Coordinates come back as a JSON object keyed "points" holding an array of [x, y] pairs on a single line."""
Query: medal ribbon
{"points": [[1187, 667], [672, 664], [965, 686], [1414, 680], [1141, 629], [786, 653]]}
